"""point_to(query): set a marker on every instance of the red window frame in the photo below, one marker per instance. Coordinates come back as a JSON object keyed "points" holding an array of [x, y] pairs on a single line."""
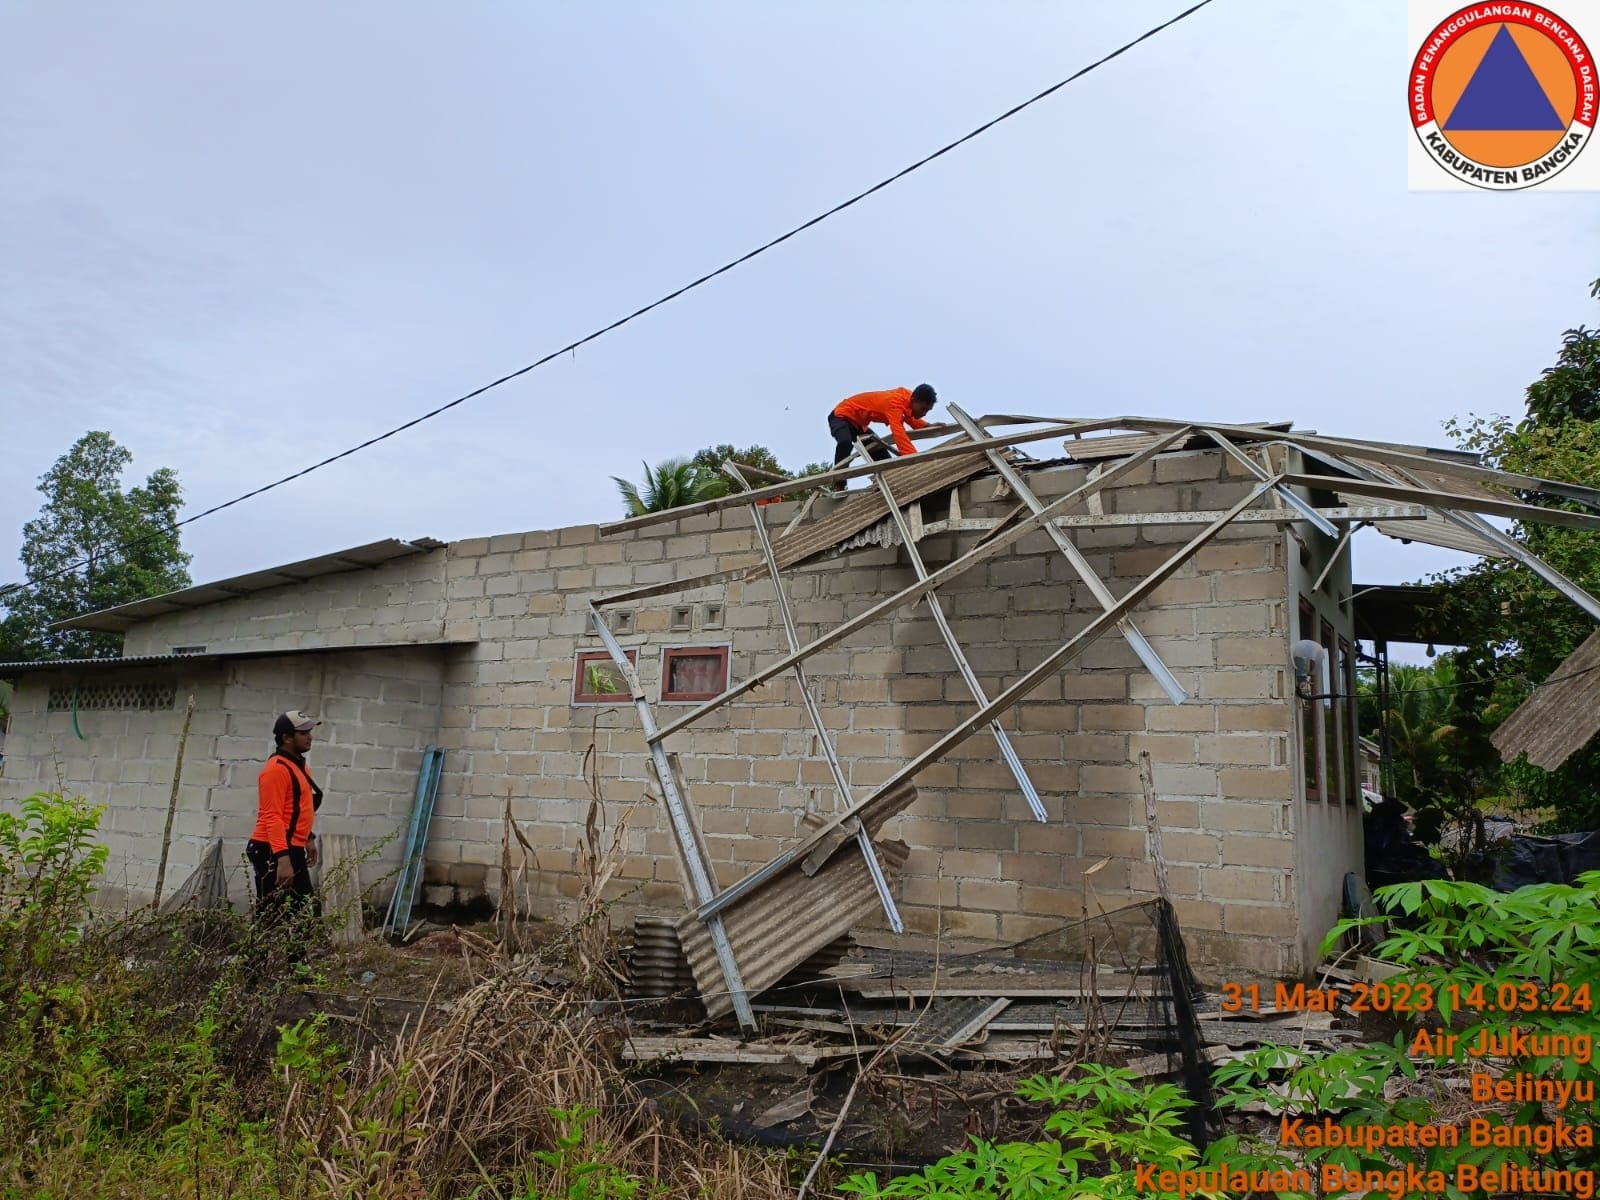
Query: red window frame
{"points": [[671, 653], [580, 675]]}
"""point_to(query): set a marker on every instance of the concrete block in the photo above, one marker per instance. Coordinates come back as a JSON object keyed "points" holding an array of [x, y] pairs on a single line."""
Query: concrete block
{"points": [[1261, 851], [1251, 585], [1239, 883], [1239, 684]]}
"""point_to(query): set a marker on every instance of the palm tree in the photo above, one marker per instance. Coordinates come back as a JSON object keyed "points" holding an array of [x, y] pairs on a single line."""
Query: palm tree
{"points": [[672, 484]]}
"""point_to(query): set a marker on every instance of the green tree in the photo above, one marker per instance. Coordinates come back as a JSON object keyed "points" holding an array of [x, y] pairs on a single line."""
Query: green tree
{"points": [[670, 484], [1517, 629], [711, 459], [125, 540]]}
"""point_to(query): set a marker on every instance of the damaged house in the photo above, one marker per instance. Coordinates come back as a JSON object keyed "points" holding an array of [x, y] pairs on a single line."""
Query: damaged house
{"points": [[1039, 669]]}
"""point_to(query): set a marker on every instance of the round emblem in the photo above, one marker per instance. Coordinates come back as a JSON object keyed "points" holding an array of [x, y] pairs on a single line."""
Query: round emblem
{"points": [[1503, 96]]}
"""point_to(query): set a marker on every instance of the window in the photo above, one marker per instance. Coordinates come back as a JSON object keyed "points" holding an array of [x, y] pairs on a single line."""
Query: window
{"points": [[1307, 712], [620, 622], [711, 616], [596, 680], [101, 697], [1333, 721], [694, 673], [188, 649], [682, 618]]}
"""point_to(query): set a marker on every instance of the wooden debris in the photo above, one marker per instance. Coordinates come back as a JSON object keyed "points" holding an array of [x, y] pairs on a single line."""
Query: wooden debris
{"points": [[1030, 986], [727, 1050]]}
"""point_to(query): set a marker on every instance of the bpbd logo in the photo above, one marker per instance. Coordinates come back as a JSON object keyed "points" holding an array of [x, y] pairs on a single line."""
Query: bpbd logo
{"points": [[1503, 96]]}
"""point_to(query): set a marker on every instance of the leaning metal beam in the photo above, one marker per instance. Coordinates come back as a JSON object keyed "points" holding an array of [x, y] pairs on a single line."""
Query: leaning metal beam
{"points": [[1051, 663], [1447, 501], [1333, 559], [874, 868], [1517, 551], [1360, 513], [944, 450], [700, 879], [1102, 594], [679, 585], [1007, 750], [1389, 455], [1297, 502], [1474, 524], [915, 591]]}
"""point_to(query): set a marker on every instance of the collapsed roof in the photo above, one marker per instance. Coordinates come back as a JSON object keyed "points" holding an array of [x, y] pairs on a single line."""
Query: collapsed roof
{"points": [[744, 936]]}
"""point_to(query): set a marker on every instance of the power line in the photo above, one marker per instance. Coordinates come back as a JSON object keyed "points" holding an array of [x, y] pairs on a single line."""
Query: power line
{"points": [[639, 312]]}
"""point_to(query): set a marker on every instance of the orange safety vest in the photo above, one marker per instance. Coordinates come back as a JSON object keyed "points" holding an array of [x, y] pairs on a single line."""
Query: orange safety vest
{"points": [[288, 800]]}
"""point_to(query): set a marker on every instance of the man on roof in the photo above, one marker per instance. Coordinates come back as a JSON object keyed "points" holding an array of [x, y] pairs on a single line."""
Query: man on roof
{"points": [[898, 408]]}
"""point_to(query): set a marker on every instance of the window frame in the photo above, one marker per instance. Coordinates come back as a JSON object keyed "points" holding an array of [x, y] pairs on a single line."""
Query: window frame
{"points": [[723, 651], [1352, 716], [582, 659], [1309, 718], [1332, 717]]}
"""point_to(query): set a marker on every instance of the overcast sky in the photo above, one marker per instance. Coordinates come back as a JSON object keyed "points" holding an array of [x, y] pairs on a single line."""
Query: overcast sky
{"points": [[242, 237]]}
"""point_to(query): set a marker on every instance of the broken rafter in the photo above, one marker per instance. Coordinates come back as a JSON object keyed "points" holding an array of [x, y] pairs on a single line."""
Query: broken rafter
{"points": [[1411, 514], [968, 675], [885, 897], [1387, 454], [844, 473], [1097, 588], [915, 591], [1446, 500], [823, 843]]}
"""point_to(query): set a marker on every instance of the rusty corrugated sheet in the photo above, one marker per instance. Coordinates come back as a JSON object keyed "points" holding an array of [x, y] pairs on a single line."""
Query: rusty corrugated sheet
{"points": [[1436, 531], [859, 511], [780, 925], [1562, 714]]}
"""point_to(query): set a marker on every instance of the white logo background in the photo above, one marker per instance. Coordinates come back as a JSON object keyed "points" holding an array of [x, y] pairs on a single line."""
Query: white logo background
{"points": [[1423, 172]]}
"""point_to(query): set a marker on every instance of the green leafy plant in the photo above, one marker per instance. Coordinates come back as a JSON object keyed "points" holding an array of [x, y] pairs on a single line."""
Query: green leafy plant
{"points": [[576, 1168], [1478, 964], [1110, 1133]]}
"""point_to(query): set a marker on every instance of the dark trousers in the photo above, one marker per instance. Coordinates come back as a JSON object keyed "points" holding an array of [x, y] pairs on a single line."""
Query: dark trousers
{"points": [[287, 904], [844, 440]]}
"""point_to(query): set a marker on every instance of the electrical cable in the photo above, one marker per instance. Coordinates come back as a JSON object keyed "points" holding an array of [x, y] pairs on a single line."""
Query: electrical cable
{"points": [[638, 312]]}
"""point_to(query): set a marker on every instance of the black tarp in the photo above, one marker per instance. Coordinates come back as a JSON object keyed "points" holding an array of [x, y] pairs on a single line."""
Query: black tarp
{"points": [[1524, 859]]}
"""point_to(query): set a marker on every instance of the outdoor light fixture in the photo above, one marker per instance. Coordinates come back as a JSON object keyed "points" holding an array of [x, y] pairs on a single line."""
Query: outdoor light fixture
{"points": [[1309, 656]]}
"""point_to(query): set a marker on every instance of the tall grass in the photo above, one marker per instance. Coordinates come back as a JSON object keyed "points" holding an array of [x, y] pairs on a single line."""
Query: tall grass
{"points": [[146, 1057]]}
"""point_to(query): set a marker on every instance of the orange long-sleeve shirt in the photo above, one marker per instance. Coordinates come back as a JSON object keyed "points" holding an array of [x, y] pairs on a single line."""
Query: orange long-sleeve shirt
{"points": [[288, 800], [891, 408]]}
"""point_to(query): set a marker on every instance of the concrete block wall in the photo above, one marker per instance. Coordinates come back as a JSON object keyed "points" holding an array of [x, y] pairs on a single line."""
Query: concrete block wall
{"points": [[380, 708], [980, 866]]}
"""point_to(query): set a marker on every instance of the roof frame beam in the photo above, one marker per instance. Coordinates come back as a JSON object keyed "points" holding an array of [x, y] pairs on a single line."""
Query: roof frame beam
{"points": [[915, 591], [1137, 642]]}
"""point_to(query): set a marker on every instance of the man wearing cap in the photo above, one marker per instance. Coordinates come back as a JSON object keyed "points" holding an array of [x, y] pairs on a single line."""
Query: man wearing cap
{"points": [[282, 850]]}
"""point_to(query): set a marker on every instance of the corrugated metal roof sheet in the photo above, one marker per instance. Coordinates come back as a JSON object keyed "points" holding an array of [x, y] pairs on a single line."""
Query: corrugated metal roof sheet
{"points": [[1434, 530], [373, 554], [1561, 716], [781, 924], [10, 670], [857, 512]]}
